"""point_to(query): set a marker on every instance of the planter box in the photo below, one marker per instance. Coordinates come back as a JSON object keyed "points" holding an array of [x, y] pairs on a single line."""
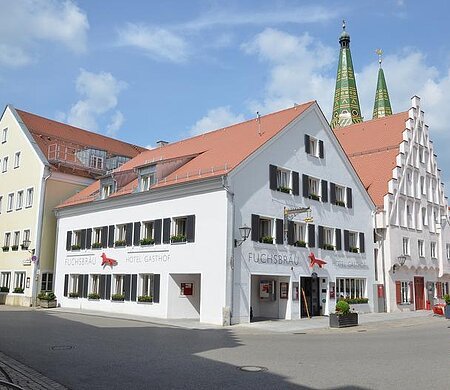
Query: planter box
{"points": [[340, 321], [447, 312], [47, 304]]}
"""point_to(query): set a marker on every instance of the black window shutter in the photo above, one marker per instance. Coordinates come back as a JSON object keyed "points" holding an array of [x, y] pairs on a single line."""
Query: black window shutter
{"points": [[85, 286], [158, 227], [66, 284], [305, 182], [80, 285], [320, 238], [190, 228], [102, 287], [133, 287], [321, 151], [69, 241], [338, 240], [324, 191], [166, 231], [311, 235], [156, 281], [349, 198], [290, 233], [307, 144], [346, 241], [83, 239], [361, 243], [137, 234], [332, 193], [104, 236], [279, 231], [295, 183], [88, 238], [111, 237], [108, 287], [127, 286], [273, 177], [255, 227], [129, 234]]}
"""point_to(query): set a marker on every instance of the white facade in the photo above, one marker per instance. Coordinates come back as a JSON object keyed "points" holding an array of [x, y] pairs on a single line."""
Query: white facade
{"points": [[413, 225], [208, 277]]}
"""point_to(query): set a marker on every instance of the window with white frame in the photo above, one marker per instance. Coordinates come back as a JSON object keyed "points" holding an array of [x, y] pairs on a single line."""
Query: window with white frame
{"points": [[445, 288], [73, 284], [424, 217], [179, 227], [353, 241], [7, 240], [95, 284], [147, 181], [433, 250], [448, 251], [6, 280], [340, 195], [17, 160], [16, 240], [300, 234], [29, 201], [121, 234], [409, 216], [1, 202], [5, 164], [422, 186], [119, 285], [10, 205], [283, 180], [147, 285], [314, 185], [4, 135], [96, 162], [47, 281], [266, 230], [350, 288], [148, 233], [19, 200], [96, 237], [421, 248], [107, 190], [76, 239], [405, 246], [313, 146], [328, 238], [19, 281], [404, 293]]}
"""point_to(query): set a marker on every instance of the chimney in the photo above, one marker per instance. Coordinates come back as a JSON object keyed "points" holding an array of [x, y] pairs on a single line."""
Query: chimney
{"points": [[161, 143]]}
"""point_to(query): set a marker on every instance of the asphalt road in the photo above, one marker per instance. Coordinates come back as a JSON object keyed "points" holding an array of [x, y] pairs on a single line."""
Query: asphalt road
{"points": [[92, 352]]}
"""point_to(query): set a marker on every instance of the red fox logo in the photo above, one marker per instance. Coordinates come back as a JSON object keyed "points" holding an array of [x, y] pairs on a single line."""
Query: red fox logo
{"points": [[314, 260], [107, 261]]}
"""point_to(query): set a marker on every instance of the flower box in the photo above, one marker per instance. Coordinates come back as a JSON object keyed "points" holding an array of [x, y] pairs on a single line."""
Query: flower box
{"points": [[314, 197], [94, 296], [120, 243], [4, 289], [328, 247], [301, 244], [266, 240], [356, 301], [75, 247], [15, 247], [340, 203], [145, 299], [118, 297], [5, 248], [73, 295], [147, 241], [286, 190], [18, 290], [96, 245], [178, 238], [45, 304], [354, 249], [343, 320]]}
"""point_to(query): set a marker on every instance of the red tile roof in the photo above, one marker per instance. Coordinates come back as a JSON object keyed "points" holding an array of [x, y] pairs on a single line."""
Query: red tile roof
{"points": [[372, 148], [208, 155]]}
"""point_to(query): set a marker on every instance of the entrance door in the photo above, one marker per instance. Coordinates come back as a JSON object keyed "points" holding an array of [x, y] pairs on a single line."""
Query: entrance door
{"points": [[419, 286], [310, 294]]}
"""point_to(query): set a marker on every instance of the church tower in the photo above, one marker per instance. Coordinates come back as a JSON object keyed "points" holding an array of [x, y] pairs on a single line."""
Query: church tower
{"points": [[382, 106], [346, 109]]}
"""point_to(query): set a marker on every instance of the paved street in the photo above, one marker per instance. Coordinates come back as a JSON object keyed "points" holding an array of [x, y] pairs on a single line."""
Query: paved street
{"points": [[97, 352]]}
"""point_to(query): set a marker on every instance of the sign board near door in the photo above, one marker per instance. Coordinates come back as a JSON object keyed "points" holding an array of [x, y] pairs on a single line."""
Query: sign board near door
{"points": [[187, 289], [284, 288]]}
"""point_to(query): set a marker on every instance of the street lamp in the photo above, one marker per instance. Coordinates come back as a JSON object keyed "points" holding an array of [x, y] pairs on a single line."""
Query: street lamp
{"points": [[26, 244], [401, 261], [244, 231], [444, 220]]}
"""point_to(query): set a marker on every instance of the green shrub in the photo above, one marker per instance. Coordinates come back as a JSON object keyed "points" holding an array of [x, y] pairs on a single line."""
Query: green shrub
{"points": [[145, 298], [4, 289], [120, 243], [300, 243], [328, 247], [342, 308], [447, 299], [14, 247], [314, 196], [47, 296], [94, 296], [18, 290], [73, 295], [147, 241], [355, 301], [96, 245], [354, 249], [340, 203], [267, 240], [286, 190], [5, 248], [118, 297], [178, 238], [75, 247]]}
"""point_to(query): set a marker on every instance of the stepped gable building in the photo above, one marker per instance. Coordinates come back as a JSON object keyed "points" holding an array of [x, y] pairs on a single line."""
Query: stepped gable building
{"points": [[264, 218], [394, 157], [43, 162]]}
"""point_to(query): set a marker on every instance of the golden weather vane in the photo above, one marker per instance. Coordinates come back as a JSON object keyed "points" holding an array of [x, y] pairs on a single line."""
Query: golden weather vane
{"points": [[380, 55]]}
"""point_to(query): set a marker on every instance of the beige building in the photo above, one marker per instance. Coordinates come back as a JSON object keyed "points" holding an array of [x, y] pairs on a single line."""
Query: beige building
{"points": [[42, 163]]}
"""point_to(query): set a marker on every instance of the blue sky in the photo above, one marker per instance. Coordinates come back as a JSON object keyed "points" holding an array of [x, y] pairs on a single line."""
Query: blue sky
{"points": [[147, 70]]}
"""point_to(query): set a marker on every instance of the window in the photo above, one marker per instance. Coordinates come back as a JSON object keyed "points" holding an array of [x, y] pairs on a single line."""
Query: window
{"points": [[314, 188], [121, 234], [350, 288], [421, 248], [266, 230], [300, 234], [107, 190], [433, 250], [47, 281], [328, 238], [148, 233], [73, 285], [1, 198], [19, 200], [7, 240], [422, 186], [340, 195], [10, 202], [353, 242], [19, 281], [96, 237], [4, 135], [118, 285], [5, 164], [147, 181], [17, 160], [405, 246], [95, 283], [424, 216], [404, 293], [147, 283], [96, 162], [179, 229], [30, 192], [16, 241], [283, 180], [448, 251], [76, 240], [5, 280]]}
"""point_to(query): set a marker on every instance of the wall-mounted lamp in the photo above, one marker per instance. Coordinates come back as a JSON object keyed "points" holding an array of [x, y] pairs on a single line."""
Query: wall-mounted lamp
{"points": [[26, 244], [244, 231], [444, 220], [401, 261]]}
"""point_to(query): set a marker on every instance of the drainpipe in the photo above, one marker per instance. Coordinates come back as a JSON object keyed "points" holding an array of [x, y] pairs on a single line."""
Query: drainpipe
{"points": [[37, 253], [383, 268]]}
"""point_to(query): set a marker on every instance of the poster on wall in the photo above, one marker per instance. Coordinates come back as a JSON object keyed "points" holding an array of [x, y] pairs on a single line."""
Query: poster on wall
{"points": [[187, 289], [265, 289], [284, 288], [332, 289]]}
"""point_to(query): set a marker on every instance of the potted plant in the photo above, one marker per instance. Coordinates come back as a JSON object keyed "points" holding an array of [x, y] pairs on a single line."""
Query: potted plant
{"points": [[145, 299], [147, 241], [118, 297], [447, 306], [18, 290], [5, 248], [267, 240], [4, 289], [15, 247], [120, 243], [314, 196], [328, 247], [354, 249], [96, 245], [73, 295], [286, 190], [343, 317], [178, 238], [94, 296], [47, 299], [340, 203], [75, 247], [300, 243]]}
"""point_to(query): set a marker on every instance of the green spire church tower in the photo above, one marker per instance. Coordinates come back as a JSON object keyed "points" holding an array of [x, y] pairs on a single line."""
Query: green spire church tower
{"points": [[346, 110], [382, 106]]}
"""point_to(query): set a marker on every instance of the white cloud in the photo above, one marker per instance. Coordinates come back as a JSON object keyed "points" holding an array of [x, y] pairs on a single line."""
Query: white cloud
{"points": [[25, 23], [216, 118], [156, 42], [116, 123], [99, 93]]}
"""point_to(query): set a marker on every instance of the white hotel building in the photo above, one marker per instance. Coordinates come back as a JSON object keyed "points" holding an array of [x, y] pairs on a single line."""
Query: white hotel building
{"points": [[166, 225]]}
